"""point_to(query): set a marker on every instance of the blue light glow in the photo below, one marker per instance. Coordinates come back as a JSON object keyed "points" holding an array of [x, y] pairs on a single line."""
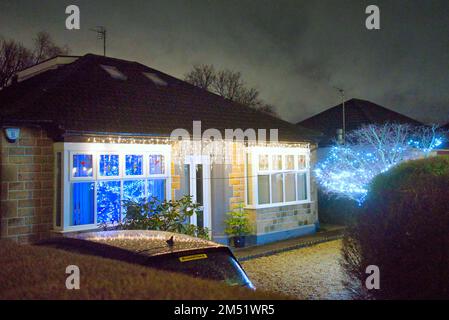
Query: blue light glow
{"points": [[108, 201], [348, 169], [109, 165]]}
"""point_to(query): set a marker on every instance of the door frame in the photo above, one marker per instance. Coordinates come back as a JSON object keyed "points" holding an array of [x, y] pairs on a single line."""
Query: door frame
{"points": [[193, 161]]}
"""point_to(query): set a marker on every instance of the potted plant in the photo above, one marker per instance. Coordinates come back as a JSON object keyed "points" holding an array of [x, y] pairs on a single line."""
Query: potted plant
{"points": [[237, 226]]}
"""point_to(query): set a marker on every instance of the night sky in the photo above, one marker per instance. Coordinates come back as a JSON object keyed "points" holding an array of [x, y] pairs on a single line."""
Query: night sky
{"points": [[294, 52]]}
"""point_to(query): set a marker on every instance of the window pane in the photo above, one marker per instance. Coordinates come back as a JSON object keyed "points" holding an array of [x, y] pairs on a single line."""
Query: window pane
{"points": [[133, 165], [277, 188], [185, 186], [82, 203], [264, 189], [302, 186], [82, 165], [108, 201], [277, 162], [200, 218], [290, 191], [133, 190], [109, 165], [263, 162], [249, 180], [156, 189], [157, 165], [290, 162], [199, 184], [301, 162]]}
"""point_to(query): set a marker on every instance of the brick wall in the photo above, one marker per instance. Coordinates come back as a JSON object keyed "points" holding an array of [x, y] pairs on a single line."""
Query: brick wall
{"points": [[26, 205]]}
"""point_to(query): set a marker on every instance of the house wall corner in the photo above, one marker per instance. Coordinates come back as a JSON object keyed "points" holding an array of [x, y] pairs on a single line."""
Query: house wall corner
{"points": [[26, 191]]}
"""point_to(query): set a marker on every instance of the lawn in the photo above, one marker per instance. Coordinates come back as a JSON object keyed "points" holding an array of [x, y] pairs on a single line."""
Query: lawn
{"points": [[33, 272]]}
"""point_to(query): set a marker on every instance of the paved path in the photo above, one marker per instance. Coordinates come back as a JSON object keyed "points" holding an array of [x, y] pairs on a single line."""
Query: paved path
{"points": [[330, 232]]}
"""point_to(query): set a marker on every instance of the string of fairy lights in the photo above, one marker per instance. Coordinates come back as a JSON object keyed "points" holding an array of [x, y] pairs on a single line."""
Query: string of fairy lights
{"points": [[168, 140], [219, 151], [348, 170]]}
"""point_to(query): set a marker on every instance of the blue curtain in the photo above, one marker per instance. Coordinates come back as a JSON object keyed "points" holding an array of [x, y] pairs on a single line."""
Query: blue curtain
{"points": [[156, 189], [83, 203]]}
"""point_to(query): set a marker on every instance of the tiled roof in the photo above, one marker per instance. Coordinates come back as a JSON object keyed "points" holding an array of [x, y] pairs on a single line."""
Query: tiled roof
{"points": [[83, 97], [357, 113]]}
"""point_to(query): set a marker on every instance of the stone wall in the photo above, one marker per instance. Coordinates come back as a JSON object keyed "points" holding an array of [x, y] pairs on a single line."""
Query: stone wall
{"points": [[275, 219], [26, 205], [276, 223], [175, 180], [237, 176]]}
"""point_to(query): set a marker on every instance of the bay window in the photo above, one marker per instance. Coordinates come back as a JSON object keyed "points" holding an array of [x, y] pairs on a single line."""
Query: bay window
{"points": [[277, 176], [96, 178]]}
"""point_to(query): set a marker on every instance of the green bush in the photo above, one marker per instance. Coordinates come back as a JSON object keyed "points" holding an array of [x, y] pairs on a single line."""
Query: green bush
{"points": [[337, 210], [404, 230], [172, 216], [238, 223]]}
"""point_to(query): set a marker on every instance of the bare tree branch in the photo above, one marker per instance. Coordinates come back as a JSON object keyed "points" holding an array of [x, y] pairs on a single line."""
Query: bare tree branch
{"points": [[228, 84], [15, 57], [371, 150]]}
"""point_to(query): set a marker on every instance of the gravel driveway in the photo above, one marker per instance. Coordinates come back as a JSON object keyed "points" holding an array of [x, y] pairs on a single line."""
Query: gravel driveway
{"points": [[307, 273]]}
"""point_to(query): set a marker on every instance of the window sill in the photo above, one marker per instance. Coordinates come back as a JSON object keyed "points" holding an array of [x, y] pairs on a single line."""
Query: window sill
{"points": [[276, 205], [81, 228]]}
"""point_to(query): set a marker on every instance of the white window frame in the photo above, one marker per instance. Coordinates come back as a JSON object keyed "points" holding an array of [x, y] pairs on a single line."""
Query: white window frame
{"points": [[69, 149], [255, 152]]}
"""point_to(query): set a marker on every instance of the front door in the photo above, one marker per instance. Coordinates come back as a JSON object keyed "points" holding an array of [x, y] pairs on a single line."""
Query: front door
{"points": [[197, 171]]}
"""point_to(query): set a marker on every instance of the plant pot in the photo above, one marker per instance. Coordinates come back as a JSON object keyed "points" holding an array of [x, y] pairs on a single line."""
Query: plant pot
{"points": [[239, 241]]}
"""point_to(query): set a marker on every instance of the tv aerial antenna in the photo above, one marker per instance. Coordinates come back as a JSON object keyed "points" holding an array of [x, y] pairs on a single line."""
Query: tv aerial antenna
{"points": [[101, 35], [342, 94]]}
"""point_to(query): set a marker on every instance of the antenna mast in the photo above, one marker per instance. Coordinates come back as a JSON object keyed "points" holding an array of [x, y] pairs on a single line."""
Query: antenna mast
{"points": [[101, 35], [342, 93]]}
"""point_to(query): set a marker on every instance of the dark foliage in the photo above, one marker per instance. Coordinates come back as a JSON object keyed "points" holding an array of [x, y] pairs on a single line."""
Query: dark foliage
{"points": [[172, 216], [404, 230], [337, 210]]}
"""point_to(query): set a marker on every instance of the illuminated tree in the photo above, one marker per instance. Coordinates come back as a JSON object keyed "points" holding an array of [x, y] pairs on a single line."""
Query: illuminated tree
{"points": [[349, 168]]}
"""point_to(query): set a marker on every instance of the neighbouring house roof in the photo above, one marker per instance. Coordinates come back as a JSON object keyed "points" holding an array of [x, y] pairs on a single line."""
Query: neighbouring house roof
{"points": [[357, 113], [96, 94]]}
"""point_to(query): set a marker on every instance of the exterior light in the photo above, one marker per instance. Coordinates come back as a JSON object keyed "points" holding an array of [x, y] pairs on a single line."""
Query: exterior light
{"points": [[12, 134]]}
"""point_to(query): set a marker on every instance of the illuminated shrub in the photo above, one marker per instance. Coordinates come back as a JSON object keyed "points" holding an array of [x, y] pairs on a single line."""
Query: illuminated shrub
{"points": [[404, 230], [172, 216]]}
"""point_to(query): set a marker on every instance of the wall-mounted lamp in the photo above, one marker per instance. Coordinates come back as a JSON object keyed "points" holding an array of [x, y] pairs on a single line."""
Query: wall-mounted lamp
{"points": [[12, 134]]}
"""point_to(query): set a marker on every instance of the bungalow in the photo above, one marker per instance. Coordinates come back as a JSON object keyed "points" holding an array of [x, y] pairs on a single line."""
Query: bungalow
{"points": [[81, 134], [357, 113]]}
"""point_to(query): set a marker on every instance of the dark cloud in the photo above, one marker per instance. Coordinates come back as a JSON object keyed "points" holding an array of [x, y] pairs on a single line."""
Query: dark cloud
{"points": [[294, 52]]}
